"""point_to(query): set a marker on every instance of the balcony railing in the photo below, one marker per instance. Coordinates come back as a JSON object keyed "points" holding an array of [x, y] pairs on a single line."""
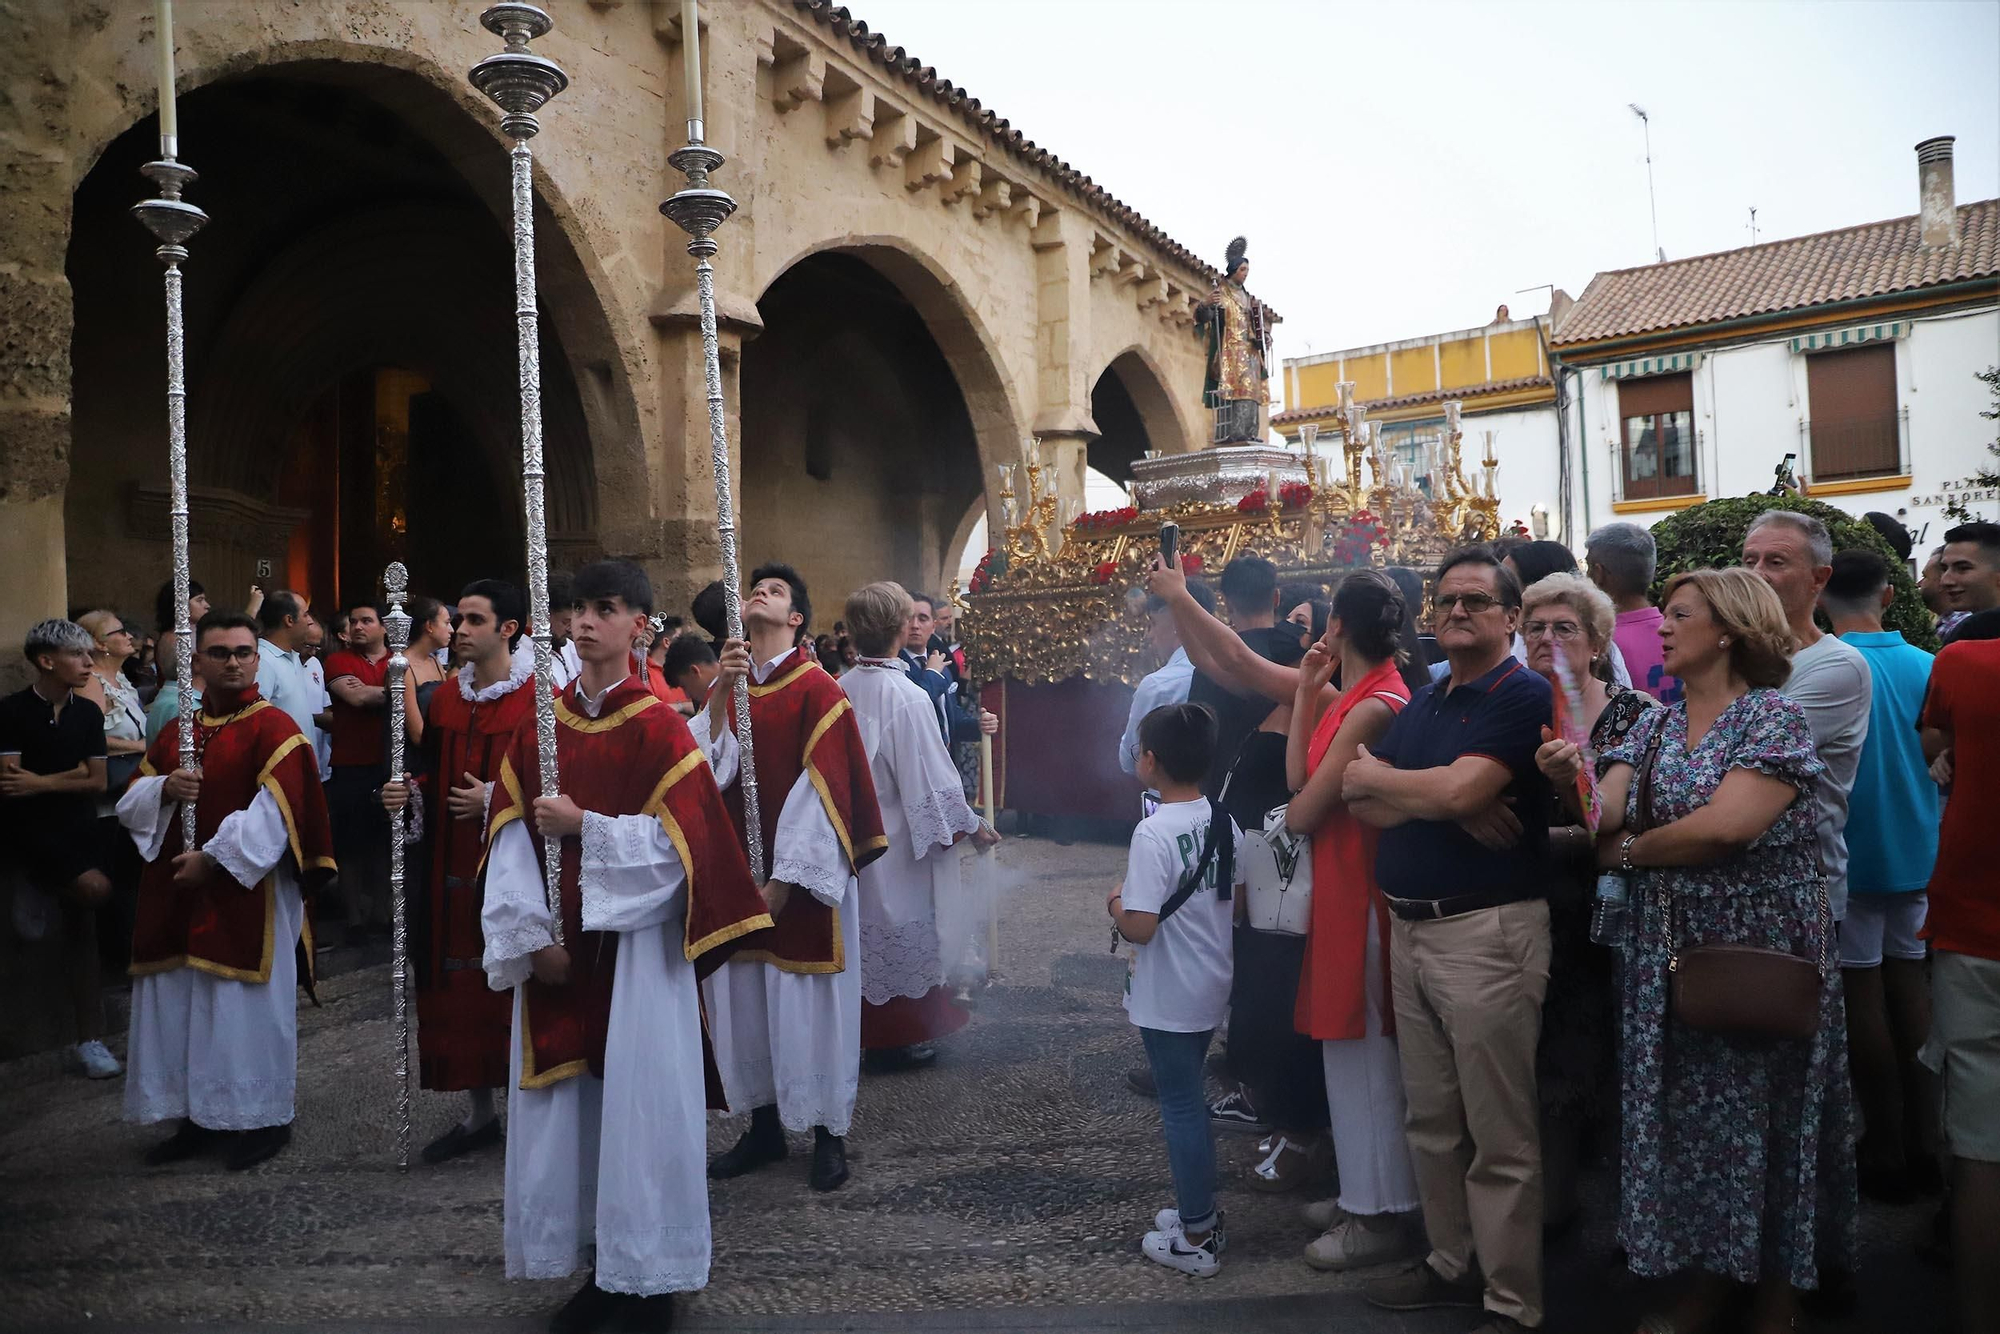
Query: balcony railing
{"points": [[1876, 446]]}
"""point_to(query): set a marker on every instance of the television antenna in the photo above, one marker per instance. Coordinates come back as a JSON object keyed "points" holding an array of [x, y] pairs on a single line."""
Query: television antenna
{"points": [[1652, 199]]}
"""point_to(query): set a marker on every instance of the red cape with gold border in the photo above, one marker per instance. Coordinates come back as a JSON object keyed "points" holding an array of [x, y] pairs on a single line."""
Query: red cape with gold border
{"points": [[636, 758], [222, 928], [463, 1025], [801, 723]]}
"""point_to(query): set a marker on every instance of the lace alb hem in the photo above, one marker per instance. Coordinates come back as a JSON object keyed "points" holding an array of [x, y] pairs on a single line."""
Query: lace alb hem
{"points": [[805, 1105], [899, 961], [652, 1282], [937, 819], [249, 1104], [508, 960]]}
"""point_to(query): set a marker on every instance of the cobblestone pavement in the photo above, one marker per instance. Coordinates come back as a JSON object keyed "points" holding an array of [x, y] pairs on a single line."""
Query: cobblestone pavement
{"points": [[1004, 1189]]}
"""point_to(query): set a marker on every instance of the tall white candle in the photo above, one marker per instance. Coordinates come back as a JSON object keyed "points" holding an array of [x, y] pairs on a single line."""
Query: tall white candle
{"points": [[690, 62], [163, 15]]}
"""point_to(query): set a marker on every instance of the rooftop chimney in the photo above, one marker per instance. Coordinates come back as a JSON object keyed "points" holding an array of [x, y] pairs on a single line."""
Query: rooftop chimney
{"points": [[1937, 203]]}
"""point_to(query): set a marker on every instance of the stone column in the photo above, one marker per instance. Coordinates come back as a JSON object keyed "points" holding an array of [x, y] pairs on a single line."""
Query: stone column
{"points": [[683, 479], [35, 320], [1062, 418]]}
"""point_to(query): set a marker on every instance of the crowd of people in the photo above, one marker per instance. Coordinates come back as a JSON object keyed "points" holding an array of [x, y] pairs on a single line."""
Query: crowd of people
{"points": [[1691, 885], [663, 983], [1557, 872]]}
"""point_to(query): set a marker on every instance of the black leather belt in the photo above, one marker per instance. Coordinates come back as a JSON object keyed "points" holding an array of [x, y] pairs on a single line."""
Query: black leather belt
{"points": [[1430, 910]]}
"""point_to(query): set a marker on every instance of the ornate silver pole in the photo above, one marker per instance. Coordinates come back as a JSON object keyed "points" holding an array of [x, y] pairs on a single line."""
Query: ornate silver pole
{"points": [[519, 83], [396, 580], [172, 220], [698, 210]]}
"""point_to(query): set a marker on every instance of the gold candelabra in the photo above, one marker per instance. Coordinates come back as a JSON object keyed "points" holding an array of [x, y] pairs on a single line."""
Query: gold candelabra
{"points": [[1025, 527]]}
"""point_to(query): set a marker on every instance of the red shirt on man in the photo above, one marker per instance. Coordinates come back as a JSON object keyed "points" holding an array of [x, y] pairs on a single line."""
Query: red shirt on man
{"points": [[1964, 698], [360, 736]]}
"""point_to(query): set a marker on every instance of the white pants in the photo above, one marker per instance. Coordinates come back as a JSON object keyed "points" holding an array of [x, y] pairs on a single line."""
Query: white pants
{"points": [[1364, 1094]]}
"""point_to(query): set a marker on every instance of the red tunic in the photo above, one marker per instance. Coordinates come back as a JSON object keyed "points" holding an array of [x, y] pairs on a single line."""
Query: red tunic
{"points": [[802, 724], [222, 928], [635, 758], [1333, 998], [462, 1024]]}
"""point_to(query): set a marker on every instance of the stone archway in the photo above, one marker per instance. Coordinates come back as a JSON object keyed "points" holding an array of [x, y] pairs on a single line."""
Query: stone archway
{"points": [[871, 408], [344, 236]]}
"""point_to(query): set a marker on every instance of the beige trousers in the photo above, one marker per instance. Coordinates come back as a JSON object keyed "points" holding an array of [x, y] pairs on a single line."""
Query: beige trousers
{"points": [[1468, 994]]}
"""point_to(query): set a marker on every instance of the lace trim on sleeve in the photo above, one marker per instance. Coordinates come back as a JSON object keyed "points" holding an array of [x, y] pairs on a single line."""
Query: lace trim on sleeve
{"points": [[938, 818], [600, 850]]}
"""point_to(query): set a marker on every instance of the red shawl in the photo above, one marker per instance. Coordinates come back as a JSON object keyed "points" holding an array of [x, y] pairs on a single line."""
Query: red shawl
{"points": [[222, 928]]}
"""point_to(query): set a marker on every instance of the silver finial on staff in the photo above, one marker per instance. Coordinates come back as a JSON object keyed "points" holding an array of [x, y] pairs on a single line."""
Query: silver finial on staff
{"points": [[395, 581], [519, 83], [172, 220], [698, 210]]}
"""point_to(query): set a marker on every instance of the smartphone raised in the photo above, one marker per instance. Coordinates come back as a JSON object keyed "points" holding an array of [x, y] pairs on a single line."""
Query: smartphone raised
{"points": [[1170, 543]]}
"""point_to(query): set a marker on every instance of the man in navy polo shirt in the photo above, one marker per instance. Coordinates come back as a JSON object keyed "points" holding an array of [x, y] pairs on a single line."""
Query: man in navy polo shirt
{"points": [[1463, 862]]}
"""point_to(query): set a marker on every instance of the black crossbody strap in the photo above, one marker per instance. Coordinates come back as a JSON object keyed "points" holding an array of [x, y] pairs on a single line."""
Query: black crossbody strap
{"points": [[1218, 846]]}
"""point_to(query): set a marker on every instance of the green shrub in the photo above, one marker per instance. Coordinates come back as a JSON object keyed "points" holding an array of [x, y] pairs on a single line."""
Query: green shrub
{"points": [[1710, 535]]}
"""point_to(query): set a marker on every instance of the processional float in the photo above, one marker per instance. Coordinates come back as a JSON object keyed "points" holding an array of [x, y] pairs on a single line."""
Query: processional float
{"points": [[172, 220]]}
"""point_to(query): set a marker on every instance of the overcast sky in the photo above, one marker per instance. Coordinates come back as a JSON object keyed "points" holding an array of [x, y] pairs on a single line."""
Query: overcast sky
{"points": [[1402, 169]]}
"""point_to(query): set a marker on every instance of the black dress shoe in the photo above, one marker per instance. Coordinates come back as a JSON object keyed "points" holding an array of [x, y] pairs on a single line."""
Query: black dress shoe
{"points": [[829, 1169], [590, 1309], [459, 1140], [187, 1141], [645, 1315], [1140, 1078], [255, 1146], [757, 1148]]}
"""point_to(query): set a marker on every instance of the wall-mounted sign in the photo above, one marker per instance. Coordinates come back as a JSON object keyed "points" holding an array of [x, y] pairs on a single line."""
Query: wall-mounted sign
{"points": [[1963, 491]]}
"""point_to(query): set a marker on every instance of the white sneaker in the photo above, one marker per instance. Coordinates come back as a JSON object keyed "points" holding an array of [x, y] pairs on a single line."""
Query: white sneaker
{"points": [[1351, 1243], [1172, 1250], [1169, 1220], [97, 1060], [1322, 1214]]}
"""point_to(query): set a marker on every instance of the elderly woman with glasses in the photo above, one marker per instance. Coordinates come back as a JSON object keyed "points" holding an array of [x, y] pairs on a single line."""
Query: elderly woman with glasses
{"points": [[1567, 622]]}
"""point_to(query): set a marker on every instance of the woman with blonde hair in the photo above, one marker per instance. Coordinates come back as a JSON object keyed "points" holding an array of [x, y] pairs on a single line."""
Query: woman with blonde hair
{"points": [[124, 716], [1738, 1161], [1566, 620]]}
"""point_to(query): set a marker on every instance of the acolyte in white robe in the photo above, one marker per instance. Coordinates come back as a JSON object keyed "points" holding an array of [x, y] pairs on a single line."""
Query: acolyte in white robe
{"points": [[617, 1163], [790, 1039], [923, 809], [223, 1053]]}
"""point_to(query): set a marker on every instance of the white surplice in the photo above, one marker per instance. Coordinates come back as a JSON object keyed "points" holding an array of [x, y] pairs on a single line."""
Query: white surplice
{"points": [[223, 1053], [790, 1039], [923, 809], [617, 1163]]}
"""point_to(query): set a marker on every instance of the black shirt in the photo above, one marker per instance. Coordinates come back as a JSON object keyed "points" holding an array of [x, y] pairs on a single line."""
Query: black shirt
{"points": [[1237, 716], [1500, 716], [50, 743]]}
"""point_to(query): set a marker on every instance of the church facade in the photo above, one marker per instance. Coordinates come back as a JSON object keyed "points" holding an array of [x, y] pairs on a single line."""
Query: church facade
{"points": [[908, 291]]}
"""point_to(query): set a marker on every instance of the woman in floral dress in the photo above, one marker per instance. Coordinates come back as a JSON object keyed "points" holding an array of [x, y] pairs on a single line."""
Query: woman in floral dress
{"points": [[1738, 1161]]}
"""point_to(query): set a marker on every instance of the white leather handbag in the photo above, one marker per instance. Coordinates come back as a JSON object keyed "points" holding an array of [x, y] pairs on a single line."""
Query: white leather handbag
{"points": [[1277, 873]]}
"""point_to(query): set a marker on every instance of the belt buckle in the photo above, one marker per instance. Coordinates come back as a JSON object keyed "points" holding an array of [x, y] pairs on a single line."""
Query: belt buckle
{"points": [[1437, 910]]}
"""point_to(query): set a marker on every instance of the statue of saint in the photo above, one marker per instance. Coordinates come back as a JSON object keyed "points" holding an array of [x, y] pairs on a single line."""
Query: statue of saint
{"points": [[1237, 328]]}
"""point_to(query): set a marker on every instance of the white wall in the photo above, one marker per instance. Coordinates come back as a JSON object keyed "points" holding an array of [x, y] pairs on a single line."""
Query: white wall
{"points": [[1749, 402]]}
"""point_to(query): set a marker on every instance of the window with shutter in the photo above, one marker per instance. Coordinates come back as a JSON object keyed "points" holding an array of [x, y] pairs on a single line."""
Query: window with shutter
{"points": [[1657, 413], [1851, 407]]}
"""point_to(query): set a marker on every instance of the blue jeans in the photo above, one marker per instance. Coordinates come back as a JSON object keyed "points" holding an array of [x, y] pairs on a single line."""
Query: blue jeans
{"points": [[1177, 1061]]}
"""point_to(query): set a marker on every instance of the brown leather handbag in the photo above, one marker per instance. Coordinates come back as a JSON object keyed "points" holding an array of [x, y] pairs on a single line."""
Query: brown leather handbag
{"points": [[1739, 991]]}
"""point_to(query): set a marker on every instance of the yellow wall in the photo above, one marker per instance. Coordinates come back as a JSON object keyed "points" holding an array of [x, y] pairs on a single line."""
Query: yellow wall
{"points": [[1317, 385], [1415, 371], [1516, 355], [1464, 362]]}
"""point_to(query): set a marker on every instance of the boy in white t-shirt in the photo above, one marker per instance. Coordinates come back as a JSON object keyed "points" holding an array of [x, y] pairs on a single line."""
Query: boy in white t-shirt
{"points": [[1178, 988]]}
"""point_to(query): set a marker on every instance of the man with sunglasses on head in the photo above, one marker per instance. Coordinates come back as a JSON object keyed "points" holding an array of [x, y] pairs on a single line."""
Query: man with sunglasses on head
{"points": [[220, 941], [1464, 815]]}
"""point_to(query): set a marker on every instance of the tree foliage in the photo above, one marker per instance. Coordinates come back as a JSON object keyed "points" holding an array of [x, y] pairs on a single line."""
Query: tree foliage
{"points": [[1710, 536]]}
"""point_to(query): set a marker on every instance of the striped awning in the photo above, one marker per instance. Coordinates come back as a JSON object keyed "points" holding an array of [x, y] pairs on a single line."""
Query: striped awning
{"points": [[1848, 337], [1628, 370]]}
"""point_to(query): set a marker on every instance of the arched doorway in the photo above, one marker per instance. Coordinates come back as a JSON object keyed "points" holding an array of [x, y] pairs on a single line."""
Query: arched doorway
{"points": [[859, 446], [1133, 415], [350, 349]]}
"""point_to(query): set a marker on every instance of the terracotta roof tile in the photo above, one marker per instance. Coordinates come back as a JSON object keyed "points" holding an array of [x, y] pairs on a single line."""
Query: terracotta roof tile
{"points": [[1467, 394], [1874, 259], [875, 47]]}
